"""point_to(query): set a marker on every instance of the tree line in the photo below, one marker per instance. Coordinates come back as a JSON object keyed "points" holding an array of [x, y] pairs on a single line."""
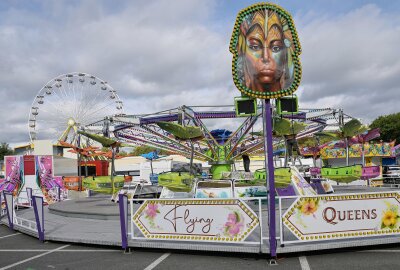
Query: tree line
{"points": [[389, 126]]}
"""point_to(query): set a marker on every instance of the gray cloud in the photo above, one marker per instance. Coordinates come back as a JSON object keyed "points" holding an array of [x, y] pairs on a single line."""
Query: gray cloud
{"points": [[351, 62]]}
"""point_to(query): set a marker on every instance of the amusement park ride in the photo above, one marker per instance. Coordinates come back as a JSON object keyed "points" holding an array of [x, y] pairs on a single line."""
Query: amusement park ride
{"points": [[84, 113], [185, 131], [220, 148]]}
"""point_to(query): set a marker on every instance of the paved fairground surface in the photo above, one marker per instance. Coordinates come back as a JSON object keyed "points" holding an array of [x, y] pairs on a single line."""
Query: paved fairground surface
{"points": [[20, 251]]}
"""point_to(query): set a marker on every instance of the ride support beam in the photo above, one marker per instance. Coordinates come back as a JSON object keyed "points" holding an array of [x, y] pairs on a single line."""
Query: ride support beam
{"points": [[269, 166]]}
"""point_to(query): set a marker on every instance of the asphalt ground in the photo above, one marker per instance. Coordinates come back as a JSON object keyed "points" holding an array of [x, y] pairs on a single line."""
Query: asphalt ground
{"points": [[19, 251]]}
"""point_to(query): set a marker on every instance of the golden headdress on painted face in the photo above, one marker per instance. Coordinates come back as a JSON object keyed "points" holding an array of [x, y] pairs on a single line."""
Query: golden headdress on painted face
{"points": [[260, 14], [265, 19]]}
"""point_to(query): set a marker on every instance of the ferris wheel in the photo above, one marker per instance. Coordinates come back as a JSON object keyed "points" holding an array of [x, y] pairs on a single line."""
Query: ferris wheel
{"points": [[69, 103]]}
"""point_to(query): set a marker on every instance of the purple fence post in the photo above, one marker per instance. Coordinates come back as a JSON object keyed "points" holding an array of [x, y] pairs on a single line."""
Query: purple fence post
{"points": [[9, 200], [1, 206], [123, 215], [29, 193], [39, 215], [267, 126]]}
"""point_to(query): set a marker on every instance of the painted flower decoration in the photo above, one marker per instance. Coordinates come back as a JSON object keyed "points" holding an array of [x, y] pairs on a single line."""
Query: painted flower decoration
{"points": [[308, 206], [234, 224], [390, 217], [152, 210]]}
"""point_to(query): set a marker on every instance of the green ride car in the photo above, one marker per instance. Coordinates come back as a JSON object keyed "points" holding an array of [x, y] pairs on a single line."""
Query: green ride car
{"points": [[102, 184]]}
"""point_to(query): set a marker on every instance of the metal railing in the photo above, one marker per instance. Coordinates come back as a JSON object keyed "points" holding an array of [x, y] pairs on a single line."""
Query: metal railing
{"points": [[3, 210], [11, 209], [282, 235], [55, 194], [25, 223], [22, 200]]}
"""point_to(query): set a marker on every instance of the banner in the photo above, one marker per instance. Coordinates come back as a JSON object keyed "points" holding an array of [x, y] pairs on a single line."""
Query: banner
{"points": [[250, 191], [216, 220], [44, 171], [266, 50], [344, 216], [49, 184], [14, 171], [355, 150], [301, 186], [218, 193]]}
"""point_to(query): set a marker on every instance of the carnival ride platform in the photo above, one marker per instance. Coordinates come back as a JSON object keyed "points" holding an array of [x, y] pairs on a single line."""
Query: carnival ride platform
{"points": [[95, 220], [97, 207]]}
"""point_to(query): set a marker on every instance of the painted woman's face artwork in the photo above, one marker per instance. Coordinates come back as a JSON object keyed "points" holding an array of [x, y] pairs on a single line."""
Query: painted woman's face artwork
{"points": [[264, 54], [265, 62]]}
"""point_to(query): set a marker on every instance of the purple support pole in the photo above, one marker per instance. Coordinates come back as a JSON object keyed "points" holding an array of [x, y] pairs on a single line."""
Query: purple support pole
{"points": [[9, 200], [123, 215], [267, 126], [1, 206], [39, 215]]}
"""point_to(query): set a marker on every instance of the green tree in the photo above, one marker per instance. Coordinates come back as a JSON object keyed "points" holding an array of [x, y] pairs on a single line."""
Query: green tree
{"points": [[122, 153], [389, 126], [5, 150]]}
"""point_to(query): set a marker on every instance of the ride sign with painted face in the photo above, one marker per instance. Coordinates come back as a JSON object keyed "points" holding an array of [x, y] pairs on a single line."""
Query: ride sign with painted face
{"points": [[266, 51]]}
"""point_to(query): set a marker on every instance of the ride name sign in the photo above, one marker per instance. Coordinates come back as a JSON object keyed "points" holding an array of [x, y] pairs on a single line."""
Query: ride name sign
{"points": [[343, 216], [215, 220]]}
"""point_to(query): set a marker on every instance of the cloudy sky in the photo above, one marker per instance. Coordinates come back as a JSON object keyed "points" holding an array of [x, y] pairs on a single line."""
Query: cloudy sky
{"points": [[164, 53]]}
